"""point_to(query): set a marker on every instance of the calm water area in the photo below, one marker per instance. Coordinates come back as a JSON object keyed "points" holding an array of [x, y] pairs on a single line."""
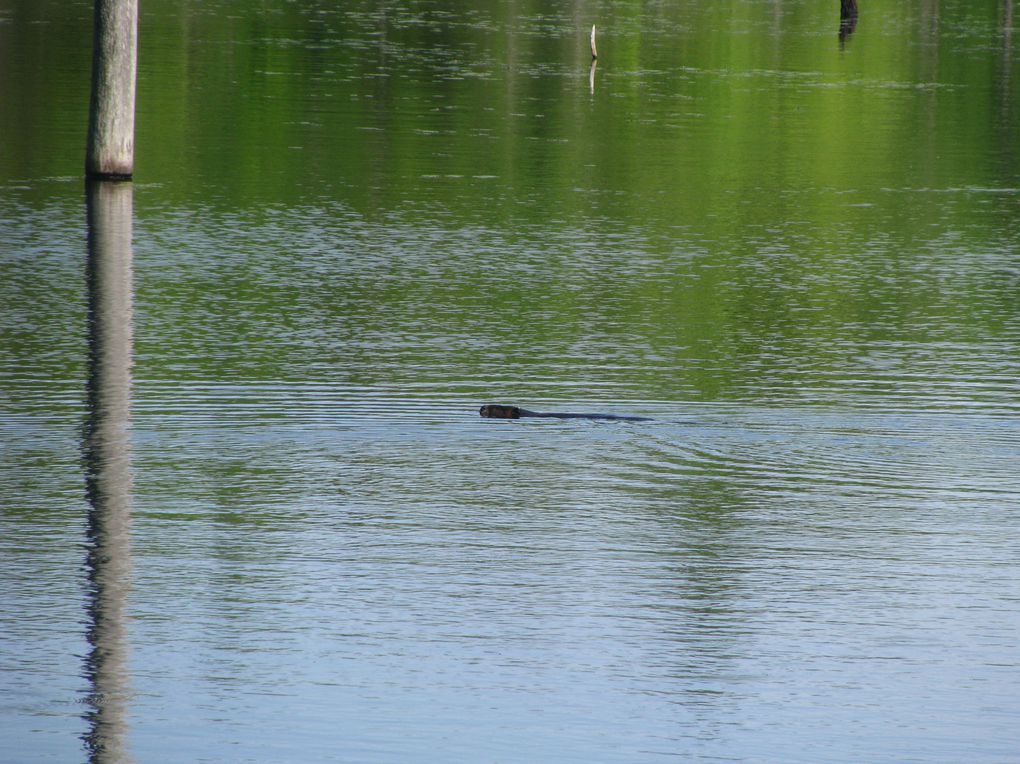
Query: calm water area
{"points": [[249, 512]]}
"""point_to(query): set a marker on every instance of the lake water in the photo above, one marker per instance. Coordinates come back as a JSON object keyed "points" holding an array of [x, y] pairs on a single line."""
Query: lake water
{"points": [[249, 512]]}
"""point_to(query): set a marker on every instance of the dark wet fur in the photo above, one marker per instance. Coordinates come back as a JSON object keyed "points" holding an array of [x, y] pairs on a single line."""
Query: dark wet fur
{"points": [[498, 411]]}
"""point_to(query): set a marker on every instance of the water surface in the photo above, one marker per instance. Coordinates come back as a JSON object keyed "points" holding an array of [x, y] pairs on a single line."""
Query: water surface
{"points": [[350, 227]]}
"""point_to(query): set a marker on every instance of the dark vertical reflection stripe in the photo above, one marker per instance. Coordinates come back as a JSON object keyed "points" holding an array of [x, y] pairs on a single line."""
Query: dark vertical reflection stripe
{"points": [[106, 449]]}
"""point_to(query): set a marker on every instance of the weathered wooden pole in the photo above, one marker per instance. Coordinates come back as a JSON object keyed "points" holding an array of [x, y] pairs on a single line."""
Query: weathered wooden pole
{"points": [[111, 139], [847, 20], [594, 53]]}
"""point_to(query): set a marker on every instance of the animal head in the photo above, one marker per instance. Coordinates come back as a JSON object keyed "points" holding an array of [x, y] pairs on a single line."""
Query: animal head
{"points": [[496, 411]]}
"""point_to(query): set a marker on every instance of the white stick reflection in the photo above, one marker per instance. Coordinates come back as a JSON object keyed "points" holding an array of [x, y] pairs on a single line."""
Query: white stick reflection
{"points": [[106, 449]]}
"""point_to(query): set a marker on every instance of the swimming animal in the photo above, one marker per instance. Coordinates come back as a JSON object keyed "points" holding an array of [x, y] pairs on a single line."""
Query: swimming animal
{"points": [[499, 411]]}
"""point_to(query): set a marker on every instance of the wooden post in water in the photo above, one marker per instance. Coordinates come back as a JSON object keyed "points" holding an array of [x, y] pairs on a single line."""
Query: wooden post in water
{"points": [[594, 53], [111, 139], [847, 20]]}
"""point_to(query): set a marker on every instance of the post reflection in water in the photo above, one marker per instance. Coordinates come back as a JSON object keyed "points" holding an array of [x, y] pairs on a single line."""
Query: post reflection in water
{"points": [[106, 450]]}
